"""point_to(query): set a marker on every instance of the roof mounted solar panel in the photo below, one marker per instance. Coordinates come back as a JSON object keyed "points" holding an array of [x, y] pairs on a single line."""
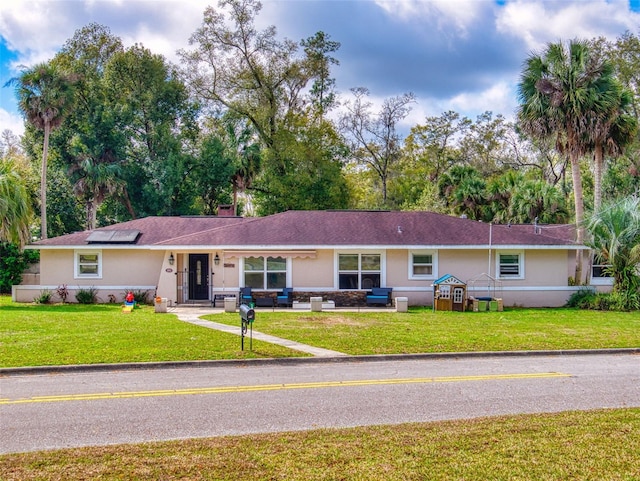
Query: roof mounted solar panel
{"points": [[128, 236]]}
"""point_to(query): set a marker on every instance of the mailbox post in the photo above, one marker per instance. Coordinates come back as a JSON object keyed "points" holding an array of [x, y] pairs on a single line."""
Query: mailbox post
{"points": [[247, 316]]}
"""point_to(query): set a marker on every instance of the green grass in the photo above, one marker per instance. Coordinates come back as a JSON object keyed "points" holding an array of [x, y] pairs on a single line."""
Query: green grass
{"points": [[422, 330], [597, 445], [37, 335], [33, 335]]}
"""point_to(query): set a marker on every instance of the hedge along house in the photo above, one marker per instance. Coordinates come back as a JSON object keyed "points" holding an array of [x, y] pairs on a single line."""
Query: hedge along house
{"points": [[338, 255]]}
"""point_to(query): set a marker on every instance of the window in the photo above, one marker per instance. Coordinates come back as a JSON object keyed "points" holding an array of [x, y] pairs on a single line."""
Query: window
{"points": [[88, 264], [265, 273], [600, 270], [422, 265], [510, 265], [359, 271], [600, 274]]}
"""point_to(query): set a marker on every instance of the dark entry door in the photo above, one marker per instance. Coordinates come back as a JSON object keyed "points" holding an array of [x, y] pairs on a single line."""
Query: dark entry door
{"points": [[198, 276]]}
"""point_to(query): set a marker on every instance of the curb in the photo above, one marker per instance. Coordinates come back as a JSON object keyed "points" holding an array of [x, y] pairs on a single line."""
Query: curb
{"points": [[87, 368]]}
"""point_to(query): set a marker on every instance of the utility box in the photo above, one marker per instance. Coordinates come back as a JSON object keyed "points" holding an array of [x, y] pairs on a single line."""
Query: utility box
{"points": [[402, 304], [316, 304], [229, 304], [161, 304]]}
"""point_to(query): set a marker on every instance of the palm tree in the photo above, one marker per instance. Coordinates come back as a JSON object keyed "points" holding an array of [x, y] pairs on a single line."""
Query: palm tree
{"points": [[470, 198], [44, 96], [93, 182], [562, 93], [500, 191], [537, 200], [15, 206], [612, 134], [615, 231]]}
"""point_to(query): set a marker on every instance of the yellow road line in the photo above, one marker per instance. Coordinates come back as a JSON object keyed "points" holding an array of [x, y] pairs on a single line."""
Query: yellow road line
{"points": [[276, 387]]}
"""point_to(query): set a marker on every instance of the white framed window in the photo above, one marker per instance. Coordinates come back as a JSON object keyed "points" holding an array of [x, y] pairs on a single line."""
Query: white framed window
{"points": [[510, 264], [600, 275], [87, 264], [265, 272], [423, 265], [359, 270]]}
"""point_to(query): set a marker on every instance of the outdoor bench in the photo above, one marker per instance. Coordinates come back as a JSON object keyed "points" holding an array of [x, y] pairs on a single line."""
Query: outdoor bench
{"points": [[379, 296]]}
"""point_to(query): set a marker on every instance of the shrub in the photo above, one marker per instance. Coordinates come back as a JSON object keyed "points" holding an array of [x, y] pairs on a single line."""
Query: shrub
{"points": [[45, 297], [624, 301], [62, 292], [582, 299], [600, 301], [13, 262], [87, 296]]}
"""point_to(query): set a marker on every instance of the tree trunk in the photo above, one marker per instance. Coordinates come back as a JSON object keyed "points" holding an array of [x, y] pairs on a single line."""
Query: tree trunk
{"points": [[579, 210], [43, 182], [598, 164]]}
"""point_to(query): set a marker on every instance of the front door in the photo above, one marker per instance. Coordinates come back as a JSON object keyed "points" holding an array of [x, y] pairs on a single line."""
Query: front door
{"points": [[198, 277]]}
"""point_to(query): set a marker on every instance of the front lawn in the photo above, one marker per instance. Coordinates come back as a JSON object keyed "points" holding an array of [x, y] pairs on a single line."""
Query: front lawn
{"points": [[422, 330], [40, 335], [32, 335]]}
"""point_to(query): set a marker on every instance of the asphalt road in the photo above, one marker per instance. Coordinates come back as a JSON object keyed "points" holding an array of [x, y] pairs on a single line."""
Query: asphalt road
{"points": [[47, 411]]}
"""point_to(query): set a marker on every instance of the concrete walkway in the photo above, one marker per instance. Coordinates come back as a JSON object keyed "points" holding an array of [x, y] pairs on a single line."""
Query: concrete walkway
{"points": [[192, 315]]}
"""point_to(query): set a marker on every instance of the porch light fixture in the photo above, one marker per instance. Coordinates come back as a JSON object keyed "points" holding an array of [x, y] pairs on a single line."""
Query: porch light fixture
{"points": [[216, 259], [171, 259]]}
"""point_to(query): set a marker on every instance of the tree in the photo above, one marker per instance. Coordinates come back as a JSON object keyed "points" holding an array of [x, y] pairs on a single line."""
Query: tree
{"points": [[317, 50], [9, 144], [157, 118], [241, 152], [615, 236], [13, 262], [65, 214], [93, 182], [625, 56], [236, 69], [449, 182], [561, 96], [375, 140], [45, 95], [612, 133], [15, 206], [314, 177], [434, 143], [537, 201], [484, 144], [500, 192], [92, 143]]}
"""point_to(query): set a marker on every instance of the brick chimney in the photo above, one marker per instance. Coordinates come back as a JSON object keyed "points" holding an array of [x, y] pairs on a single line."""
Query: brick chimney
{"points": [[226, 210]]}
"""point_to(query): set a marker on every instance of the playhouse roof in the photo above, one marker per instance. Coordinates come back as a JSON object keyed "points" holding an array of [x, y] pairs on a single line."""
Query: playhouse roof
{"points": [[448, 279]]}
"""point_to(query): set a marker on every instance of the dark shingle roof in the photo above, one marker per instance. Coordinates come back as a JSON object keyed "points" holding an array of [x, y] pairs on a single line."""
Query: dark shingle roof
{"points": [[331, 228]]}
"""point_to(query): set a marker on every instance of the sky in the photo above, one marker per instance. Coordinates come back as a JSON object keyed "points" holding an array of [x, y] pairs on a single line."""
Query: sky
{"points": [[460, 55]]}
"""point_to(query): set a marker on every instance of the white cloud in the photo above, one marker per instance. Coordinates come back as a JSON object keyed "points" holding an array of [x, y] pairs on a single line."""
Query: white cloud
{"points": [[12, 122], [165, 26], [500, 98], [37, 29], [34, 25], [539, 23], [457, 13]]}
